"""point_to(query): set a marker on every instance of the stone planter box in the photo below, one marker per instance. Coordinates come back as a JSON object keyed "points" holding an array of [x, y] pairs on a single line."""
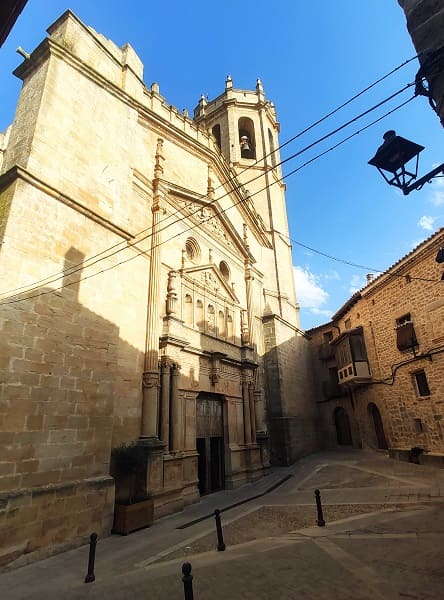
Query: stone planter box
{"points": [[130, 517]]}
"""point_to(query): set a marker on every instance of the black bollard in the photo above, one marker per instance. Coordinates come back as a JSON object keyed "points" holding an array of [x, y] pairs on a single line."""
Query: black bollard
{"points": [[320, 521], [220, 537], [187, 579], [92, 557]]}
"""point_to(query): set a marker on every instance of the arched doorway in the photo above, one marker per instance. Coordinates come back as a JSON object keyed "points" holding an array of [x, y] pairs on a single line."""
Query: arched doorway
{"points": [[378, 425], [342, 424]]}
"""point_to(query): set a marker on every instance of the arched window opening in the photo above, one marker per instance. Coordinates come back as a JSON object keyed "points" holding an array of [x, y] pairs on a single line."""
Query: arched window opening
{"points": [[225, 270], [199, 314], [271, 144], [188, 310], [230, 331], [217, 136], [192, 249], [247, 138], [210, 317], [221, 323]]}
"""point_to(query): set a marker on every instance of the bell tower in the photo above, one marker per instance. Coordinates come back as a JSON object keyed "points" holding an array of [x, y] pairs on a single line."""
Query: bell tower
{"points": [[245, 127]]}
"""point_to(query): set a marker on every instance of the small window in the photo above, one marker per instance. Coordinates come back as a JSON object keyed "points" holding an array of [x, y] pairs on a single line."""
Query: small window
{"points": [[404, 319], [247, 140], [347, 324], [229, 326], [271, 144], [405, 333], [221, 323], [422, 386], [210, 317], [192, 249], [188, 310], [419, 428], [216, 132], [199, 314], [225, 270], [328, 336]]}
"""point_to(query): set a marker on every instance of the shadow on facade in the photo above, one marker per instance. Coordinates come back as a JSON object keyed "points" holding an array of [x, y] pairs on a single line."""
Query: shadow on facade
{"points": [[291, 411], [69, 386]]}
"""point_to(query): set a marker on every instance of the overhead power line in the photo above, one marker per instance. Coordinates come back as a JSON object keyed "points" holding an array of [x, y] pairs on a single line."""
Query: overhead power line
{"points": [[83, 265], [100, 256], [217, 213]]}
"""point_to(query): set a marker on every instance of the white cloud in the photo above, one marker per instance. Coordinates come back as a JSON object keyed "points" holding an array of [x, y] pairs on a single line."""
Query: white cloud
{"points": [[426, 222], [356, 283], [309, 293], [436, 195], [332, 275], [323, 312]]}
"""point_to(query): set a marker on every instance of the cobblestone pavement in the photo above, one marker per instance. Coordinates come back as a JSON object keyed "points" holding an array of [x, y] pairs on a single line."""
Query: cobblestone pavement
{"points": [[394, 551]]}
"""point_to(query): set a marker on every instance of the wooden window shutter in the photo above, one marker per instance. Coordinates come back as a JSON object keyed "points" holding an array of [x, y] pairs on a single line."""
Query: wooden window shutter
{"points": [[405, 336]]}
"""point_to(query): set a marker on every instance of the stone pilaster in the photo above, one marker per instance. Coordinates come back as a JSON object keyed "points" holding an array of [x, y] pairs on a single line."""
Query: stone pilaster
{"points": [[249, 293], [176, 412], [150, 406], [252, 410], [259, 411], [165, 403], [247, 415]]}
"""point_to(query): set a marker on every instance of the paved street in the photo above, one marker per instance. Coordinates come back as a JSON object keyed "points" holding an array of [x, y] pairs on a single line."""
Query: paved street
{"points": [[383, 539]]}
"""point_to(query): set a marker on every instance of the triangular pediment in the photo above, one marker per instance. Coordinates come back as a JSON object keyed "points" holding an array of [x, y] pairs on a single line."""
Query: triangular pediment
{"points": [[210, 277], [211, 219]]}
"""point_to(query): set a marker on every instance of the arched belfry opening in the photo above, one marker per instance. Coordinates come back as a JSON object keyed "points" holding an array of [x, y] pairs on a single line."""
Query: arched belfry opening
{"points": [[272, 148], [217, 135], [247, 139]]}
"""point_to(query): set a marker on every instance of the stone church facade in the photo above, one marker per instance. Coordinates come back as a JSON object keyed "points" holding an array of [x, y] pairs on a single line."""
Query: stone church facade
{"points": [[147, 293]]}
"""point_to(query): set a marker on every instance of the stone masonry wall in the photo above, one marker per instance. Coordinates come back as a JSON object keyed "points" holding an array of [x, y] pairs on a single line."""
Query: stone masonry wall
{"points": [[409, 419], [289, 390]]}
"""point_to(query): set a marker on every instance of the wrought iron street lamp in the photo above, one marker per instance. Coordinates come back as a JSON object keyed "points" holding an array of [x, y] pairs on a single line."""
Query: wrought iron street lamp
{"points": [[392, 157]]}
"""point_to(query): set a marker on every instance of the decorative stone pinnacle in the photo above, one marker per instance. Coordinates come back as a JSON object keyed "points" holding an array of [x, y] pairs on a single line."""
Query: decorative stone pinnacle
{"points": [[158, 169], [228, 83], [210, 187], [245, 237]]}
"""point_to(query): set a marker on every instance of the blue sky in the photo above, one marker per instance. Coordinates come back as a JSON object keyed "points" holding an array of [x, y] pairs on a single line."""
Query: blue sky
{"points": [[312, 55]]}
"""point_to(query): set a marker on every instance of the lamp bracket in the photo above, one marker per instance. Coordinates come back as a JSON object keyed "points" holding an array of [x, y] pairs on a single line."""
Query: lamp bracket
{"points": [[417, 185]]}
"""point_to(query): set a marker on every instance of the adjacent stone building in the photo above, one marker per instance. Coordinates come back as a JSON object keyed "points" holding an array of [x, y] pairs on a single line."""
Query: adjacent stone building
{"points": [[379, 364], [146, 295]]}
